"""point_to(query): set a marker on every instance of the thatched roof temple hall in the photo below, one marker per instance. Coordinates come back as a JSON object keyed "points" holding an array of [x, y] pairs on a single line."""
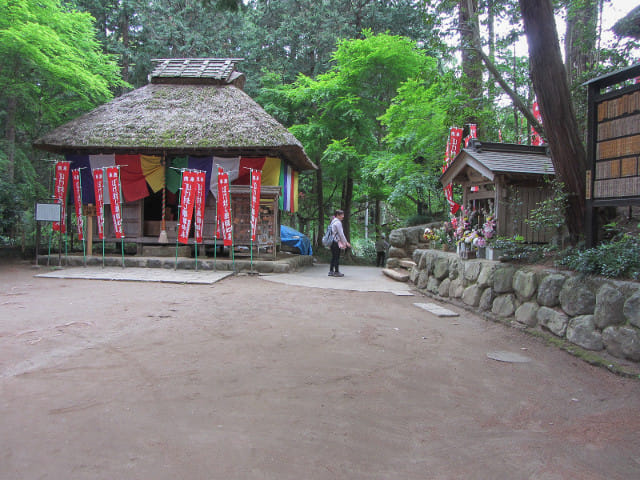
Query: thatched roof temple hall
{"points": [[193, 114]]}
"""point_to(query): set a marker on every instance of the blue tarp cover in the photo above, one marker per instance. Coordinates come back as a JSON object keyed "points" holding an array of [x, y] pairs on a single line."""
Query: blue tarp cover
{"points": [[293, 238]]}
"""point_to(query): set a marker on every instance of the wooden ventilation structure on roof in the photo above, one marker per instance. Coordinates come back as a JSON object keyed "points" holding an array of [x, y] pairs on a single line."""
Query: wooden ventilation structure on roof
{"points": [[194, 70]]}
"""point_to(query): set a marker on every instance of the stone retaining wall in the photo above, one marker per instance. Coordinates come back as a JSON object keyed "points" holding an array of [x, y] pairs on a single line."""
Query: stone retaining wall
{"points": [[594, 313]]}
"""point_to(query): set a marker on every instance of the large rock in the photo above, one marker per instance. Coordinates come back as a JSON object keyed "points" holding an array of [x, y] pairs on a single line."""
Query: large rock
{"points": [[622, 342], [443, 289], [525, 284], [421, 258], [423, 279], [472, 271], [440, 267], [397, 238], [433, 284], [503, 279], [552, 320], [609, 307], [576, 298], [485, 279], [504, 305], [454, 266], [526, 314], [471, 295], [456, 289], [414, 273], [486, 299], [414, 235], [549, 290], [631, 309], [396, 252], [582, 331]]}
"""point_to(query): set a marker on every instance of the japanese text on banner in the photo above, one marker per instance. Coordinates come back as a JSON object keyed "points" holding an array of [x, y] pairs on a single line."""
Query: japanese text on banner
{"points": [[98, 190], [256, 180], [77, 200], [453, 148], [224, 207], [113, 177], [186, 205], [201, 193], [60, 194]]}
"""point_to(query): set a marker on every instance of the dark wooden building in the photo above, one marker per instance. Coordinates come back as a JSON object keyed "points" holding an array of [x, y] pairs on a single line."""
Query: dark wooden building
{"points": [[506, 178], [613, 144]]}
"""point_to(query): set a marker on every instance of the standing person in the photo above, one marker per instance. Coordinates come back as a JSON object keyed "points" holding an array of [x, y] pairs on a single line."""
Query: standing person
{"points": [[339, 243], [381, 250]]}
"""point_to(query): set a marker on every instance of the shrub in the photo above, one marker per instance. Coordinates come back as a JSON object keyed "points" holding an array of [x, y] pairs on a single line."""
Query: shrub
{"points": [[619, 258]]}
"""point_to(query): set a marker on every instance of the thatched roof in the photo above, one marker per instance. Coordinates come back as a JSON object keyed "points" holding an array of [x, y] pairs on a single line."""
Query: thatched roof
{"points": [[491, 159], [180, 119]]}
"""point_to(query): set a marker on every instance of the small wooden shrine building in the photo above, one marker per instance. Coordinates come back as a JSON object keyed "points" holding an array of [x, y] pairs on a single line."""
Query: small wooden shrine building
{"points": [[507, 179], [193, 114]]}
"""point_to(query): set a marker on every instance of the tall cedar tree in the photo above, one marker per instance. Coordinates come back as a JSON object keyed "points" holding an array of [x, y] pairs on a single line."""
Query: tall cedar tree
{"points": [[552, 90]]}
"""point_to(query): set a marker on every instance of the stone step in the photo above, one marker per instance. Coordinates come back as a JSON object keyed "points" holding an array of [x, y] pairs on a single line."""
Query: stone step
{"points": [[408, 264], [396, 274]]}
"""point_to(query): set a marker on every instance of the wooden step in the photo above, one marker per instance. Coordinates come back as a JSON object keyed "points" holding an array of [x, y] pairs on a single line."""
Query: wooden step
{"points": [[400, 275]]}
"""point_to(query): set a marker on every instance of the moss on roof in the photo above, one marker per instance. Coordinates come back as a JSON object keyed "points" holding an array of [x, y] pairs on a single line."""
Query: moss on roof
{"points": [[171, 118]]}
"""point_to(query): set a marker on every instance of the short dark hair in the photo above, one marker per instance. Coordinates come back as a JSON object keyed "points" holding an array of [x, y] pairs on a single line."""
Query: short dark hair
{"points": [[338, 212]]}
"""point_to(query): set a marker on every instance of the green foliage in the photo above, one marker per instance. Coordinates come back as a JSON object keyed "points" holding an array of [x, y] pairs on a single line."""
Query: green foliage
{"points": [[364, 249], [619, 258]]}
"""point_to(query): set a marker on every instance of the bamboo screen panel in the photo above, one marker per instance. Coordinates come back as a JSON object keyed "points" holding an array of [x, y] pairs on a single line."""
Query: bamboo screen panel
{"points": [[617, 156]]}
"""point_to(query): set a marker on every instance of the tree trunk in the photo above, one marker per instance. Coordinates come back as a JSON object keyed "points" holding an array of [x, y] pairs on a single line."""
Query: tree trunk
{"points": [[580, 38], [471, 61], [320, 205], [552, 90], [347, 200], [10, 136]]}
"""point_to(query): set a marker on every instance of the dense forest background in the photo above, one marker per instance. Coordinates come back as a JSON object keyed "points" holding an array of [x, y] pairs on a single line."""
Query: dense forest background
{"points": [[370, 87]]}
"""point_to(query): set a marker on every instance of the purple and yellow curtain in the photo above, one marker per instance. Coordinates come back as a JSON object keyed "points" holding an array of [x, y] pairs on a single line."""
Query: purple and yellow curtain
{"points": [[142, 173]]}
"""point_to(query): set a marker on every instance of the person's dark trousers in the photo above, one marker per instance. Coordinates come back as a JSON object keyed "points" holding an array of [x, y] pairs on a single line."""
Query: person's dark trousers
{"points": [[335, 257], [380, 259]]}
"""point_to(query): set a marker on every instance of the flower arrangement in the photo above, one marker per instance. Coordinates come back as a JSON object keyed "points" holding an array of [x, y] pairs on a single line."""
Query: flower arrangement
{"points": [[468, 231], [429, 235]]}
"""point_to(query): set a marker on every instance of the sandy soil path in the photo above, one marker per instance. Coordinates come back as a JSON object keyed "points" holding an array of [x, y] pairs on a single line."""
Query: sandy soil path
{"points": [[250, 379]]}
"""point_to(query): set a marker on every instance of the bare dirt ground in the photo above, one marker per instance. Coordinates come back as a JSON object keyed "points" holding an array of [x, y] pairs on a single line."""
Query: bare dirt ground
{"points": [[249, 379]]}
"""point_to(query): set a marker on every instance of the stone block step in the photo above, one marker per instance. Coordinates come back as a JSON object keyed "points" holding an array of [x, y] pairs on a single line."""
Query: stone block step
{"points": [[395, 274], [408, 264]]}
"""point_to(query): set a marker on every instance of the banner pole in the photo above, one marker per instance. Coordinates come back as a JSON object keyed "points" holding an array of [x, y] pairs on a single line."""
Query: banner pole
{"points": [[49, 250], [84, 248], [175, 267]]}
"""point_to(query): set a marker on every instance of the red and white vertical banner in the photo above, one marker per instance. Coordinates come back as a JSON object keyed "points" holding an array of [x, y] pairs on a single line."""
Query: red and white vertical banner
{"points": [[187, 198], [77, 201], [453, 148], [98, 190], [455, 141], [60, 194], [113, 179], [256, 181], [201, 193], [224, 207], [536, 139], [473, 133]]}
